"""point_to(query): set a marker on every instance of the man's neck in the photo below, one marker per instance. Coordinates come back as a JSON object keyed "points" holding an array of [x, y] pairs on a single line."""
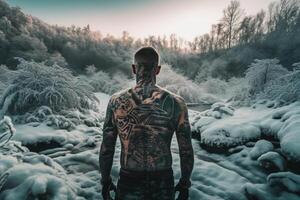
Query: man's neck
{"points": [[145, 81], [144, 86]]}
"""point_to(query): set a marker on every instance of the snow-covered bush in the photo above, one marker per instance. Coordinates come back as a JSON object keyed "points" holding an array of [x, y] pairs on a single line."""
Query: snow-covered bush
{"points": [[7, 130], [238, 90], [262, 72], [36, 84], [103, 82], [215, 86], [2, 87], [235, 89], [285, 89], [5, 76], [190, 91]]}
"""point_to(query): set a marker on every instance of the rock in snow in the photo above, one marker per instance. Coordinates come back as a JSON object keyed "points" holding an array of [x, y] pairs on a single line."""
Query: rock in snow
{"points": [[261, 147], [231, 135], [272, 161], [251, 124]]}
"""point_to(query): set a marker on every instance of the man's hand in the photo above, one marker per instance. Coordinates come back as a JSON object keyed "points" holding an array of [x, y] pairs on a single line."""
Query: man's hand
{"points": [[108, 186], [183, 188]]}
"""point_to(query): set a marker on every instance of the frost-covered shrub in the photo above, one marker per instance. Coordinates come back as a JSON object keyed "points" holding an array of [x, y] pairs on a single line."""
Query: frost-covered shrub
{"points": [[215, 86], [285, 89], [238, 89], [103, 82], [2, 87], [66, 119], [235, 89], [36, 84], [7, 130], [190, 91], [5, 76], [262, 72]]}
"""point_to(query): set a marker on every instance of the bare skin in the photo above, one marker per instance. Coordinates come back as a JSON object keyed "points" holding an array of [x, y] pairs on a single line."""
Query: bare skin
{"points": [[145, 118]]}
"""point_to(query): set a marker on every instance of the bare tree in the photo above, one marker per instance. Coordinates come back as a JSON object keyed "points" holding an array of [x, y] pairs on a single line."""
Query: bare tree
{"points": [[231, 20]]}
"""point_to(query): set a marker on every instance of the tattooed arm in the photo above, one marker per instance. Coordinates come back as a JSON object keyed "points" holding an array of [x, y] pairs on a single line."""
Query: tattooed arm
{"points": [[183, 134], [107, 149]]}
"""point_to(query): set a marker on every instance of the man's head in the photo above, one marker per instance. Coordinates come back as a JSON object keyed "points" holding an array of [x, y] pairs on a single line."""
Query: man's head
{"points": [[146, 62]]}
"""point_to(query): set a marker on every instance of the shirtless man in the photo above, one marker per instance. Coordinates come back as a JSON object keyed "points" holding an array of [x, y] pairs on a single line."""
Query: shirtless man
{"points": [[145, 118]]}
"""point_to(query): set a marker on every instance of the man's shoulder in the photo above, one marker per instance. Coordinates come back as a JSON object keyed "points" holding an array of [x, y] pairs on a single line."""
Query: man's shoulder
{"points": [[119, 94], [177, 98]]}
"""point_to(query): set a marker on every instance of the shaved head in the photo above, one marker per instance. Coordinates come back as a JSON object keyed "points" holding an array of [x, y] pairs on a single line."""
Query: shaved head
{"points": [[146, 56], [146, 66]]}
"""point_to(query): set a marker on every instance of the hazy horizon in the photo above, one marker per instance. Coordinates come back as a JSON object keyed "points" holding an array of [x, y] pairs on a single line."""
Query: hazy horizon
{"points": [[187, 19]]}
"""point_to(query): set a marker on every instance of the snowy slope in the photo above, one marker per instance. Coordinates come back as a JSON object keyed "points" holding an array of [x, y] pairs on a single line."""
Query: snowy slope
{"points": [[66, 166]]}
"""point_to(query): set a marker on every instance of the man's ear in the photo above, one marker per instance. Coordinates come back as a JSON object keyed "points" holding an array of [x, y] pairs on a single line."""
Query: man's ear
{"points": [[133, 68], [157, 70]]}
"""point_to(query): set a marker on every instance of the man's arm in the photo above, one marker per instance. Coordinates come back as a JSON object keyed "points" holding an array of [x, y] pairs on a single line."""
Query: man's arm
{"points": [[186, 153], [107, 149]]}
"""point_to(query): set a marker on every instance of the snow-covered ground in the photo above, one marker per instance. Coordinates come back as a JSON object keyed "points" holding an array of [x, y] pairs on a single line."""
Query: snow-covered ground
{"points": [[66, 164]]}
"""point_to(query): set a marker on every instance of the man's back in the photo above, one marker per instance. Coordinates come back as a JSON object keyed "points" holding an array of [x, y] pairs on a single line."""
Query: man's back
{"points": [[145, 118], [145, 126]]}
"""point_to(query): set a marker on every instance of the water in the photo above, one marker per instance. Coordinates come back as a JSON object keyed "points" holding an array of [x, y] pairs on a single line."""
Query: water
{"points": [[199, 107]]}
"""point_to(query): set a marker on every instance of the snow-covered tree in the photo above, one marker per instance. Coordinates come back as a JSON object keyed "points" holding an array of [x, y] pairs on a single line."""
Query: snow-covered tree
{"points": [[263, 71], [36, 84], [285, 89]]}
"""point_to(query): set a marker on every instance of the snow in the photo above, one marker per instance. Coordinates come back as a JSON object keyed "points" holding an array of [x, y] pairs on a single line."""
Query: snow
{"points": [[103, 98], [248, 124], [272, 161], [33, 175], [28, 134], [70, 169], [230, 135], [288, 179], [9, 130], [261, 147]]}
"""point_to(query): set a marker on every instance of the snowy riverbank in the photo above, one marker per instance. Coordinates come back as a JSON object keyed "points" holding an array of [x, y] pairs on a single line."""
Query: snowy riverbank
{"points": [[65, 164]]}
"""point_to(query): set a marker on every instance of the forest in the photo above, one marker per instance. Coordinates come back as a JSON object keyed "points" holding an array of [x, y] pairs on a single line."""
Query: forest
{"points": [[241, 82]]}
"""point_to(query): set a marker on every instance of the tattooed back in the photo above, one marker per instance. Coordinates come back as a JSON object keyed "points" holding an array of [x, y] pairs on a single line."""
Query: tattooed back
{"points": [[145, 120]]}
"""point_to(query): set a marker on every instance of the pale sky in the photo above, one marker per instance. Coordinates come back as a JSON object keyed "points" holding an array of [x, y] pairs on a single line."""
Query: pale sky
{"points": [[141, 18]]}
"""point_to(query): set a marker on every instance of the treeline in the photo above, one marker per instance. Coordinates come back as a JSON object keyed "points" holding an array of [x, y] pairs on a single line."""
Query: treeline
{"points": [[238, 39], [77, 48], [225, 52]]}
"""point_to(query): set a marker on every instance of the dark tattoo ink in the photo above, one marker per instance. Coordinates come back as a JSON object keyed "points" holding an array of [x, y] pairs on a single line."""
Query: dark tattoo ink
{"points": [[145, 118]]}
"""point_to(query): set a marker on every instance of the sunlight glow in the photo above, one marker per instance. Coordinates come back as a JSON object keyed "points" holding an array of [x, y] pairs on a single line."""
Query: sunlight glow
{"points": [[187, 19]]}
